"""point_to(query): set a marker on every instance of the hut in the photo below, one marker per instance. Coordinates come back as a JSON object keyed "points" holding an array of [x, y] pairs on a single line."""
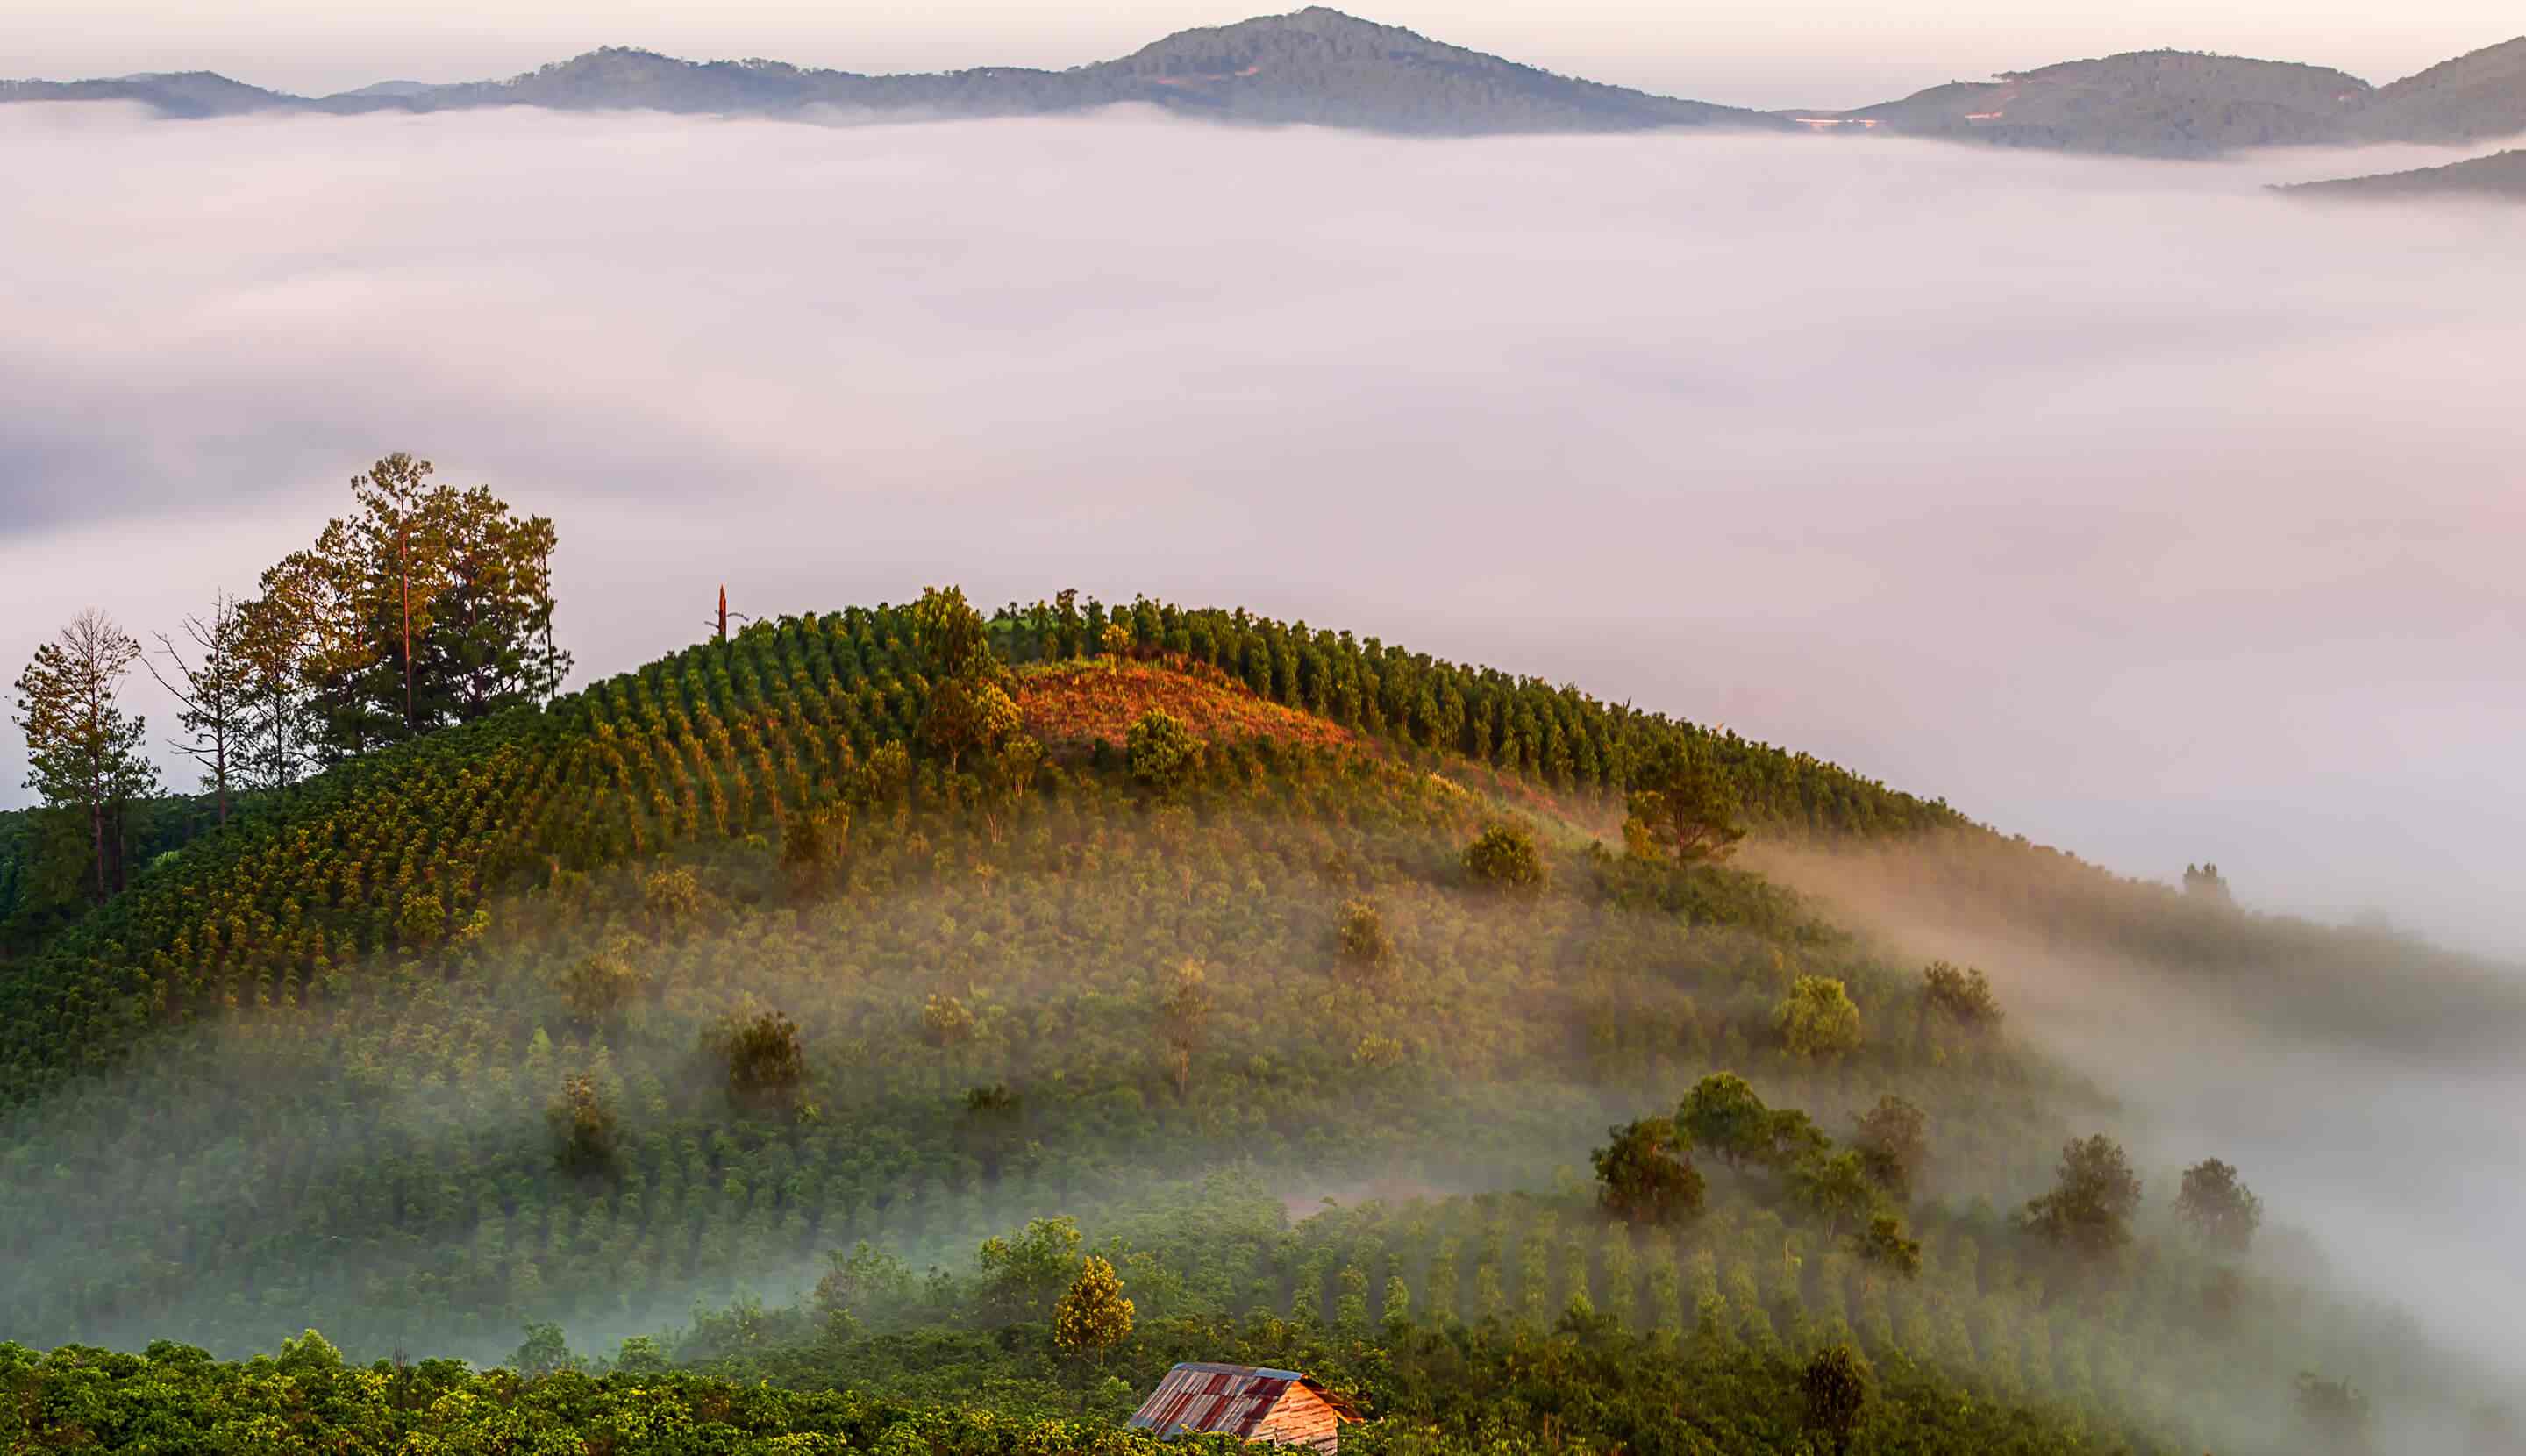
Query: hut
{"points": [[1280, 1406]]}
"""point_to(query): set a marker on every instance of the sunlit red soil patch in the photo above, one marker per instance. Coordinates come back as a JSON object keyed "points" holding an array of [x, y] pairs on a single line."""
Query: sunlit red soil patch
{"points": [[1074, 705]]}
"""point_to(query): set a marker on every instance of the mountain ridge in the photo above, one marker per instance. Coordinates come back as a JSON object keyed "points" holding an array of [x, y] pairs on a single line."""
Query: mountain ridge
{"points": [[1323, 67], [1316, 66]]}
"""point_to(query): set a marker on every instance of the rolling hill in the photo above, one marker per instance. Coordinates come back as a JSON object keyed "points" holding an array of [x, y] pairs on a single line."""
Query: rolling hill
{"points": [[728, 1012]]}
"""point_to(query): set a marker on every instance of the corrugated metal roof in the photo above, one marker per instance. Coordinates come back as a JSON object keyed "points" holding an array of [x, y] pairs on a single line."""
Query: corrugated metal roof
{"points": [[1210, 1399]]}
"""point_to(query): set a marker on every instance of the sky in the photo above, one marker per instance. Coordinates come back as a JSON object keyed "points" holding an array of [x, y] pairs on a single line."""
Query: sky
{"points": [[1740, 52], [2119, 503]]}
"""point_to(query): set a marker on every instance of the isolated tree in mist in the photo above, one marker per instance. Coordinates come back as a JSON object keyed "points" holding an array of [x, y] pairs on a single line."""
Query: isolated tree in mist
{"points": [[1817, 1020], [1503, 855], [1724, 1114], [994, 1123], [1893, 1144], [598, 985], [766, 1060], [2221, 1210], [1360, 933], [1645, 1174], [1020, 1276], [1832, 1391], [1961, 995], [211, 689], [2093, 1200], [82, 750], [582, 1127], [1092, 1317], [1682, 807]]}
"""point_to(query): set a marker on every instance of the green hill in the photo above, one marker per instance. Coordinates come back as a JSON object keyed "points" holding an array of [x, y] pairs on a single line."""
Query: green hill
{"points": [[636, 1015]]}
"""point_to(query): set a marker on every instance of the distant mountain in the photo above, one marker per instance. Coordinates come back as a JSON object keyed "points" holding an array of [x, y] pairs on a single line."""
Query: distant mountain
{"points": [[186, 93], [1316, 66], [2143, 102], [2186, 104], [1320, 66], [2502, 175]]}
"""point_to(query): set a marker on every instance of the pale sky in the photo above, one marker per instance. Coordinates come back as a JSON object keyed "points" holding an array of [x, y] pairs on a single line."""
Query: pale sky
{"points": [[1742, 52]]}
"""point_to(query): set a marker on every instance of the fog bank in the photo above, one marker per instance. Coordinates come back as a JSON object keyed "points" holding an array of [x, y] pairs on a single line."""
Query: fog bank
{"points": [[2120, 503]]}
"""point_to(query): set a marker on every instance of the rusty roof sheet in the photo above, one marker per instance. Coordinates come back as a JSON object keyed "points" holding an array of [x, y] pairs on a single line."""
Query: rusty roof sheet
{"points": [[1200, 1397]]}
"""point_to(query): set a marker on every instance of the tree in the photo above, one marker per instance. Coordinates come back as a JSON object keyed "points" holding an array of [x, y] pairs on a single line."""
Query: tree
{"points": [[2088, 1210], [1833, 1390], [995, 1122], [1184, 1015], [1885, 1245], [859, 1283], [1833, 1186], [1723, 1114], [945, 1020], [1020, 1275], [582, 1127], [1646, 1174], [426, 607], [953, 639], [1817, 1020], [2205, 883], [1093, 1314], [1681, 806], [405, 556], [210, 698], [1160, 750], [1963, 996], [545, 1352], [1503, 855], [2222, 1212], [813, 844], [489, 647], [276, 642], [767, 1063], [968, 715], [1893, 1143], [598, 983], [1360, 933], [82, 750]]}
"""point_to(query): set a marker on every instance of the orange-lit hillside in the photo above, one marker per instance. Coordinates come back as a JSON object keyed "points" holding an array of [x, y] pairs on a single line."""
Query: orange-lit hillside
{"points": [[1072, 705]]}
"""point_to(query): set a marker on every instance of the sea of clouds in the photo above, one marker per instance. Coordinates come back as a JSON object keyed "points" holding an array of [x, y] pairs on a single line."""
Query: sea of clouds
{"points": [[2122, 503]]}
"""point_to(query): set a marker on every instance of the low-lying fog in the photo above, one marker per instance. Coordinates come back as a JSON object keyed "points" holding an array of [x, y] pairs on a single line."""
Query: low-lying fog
{"points": [[2122, 503]]}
